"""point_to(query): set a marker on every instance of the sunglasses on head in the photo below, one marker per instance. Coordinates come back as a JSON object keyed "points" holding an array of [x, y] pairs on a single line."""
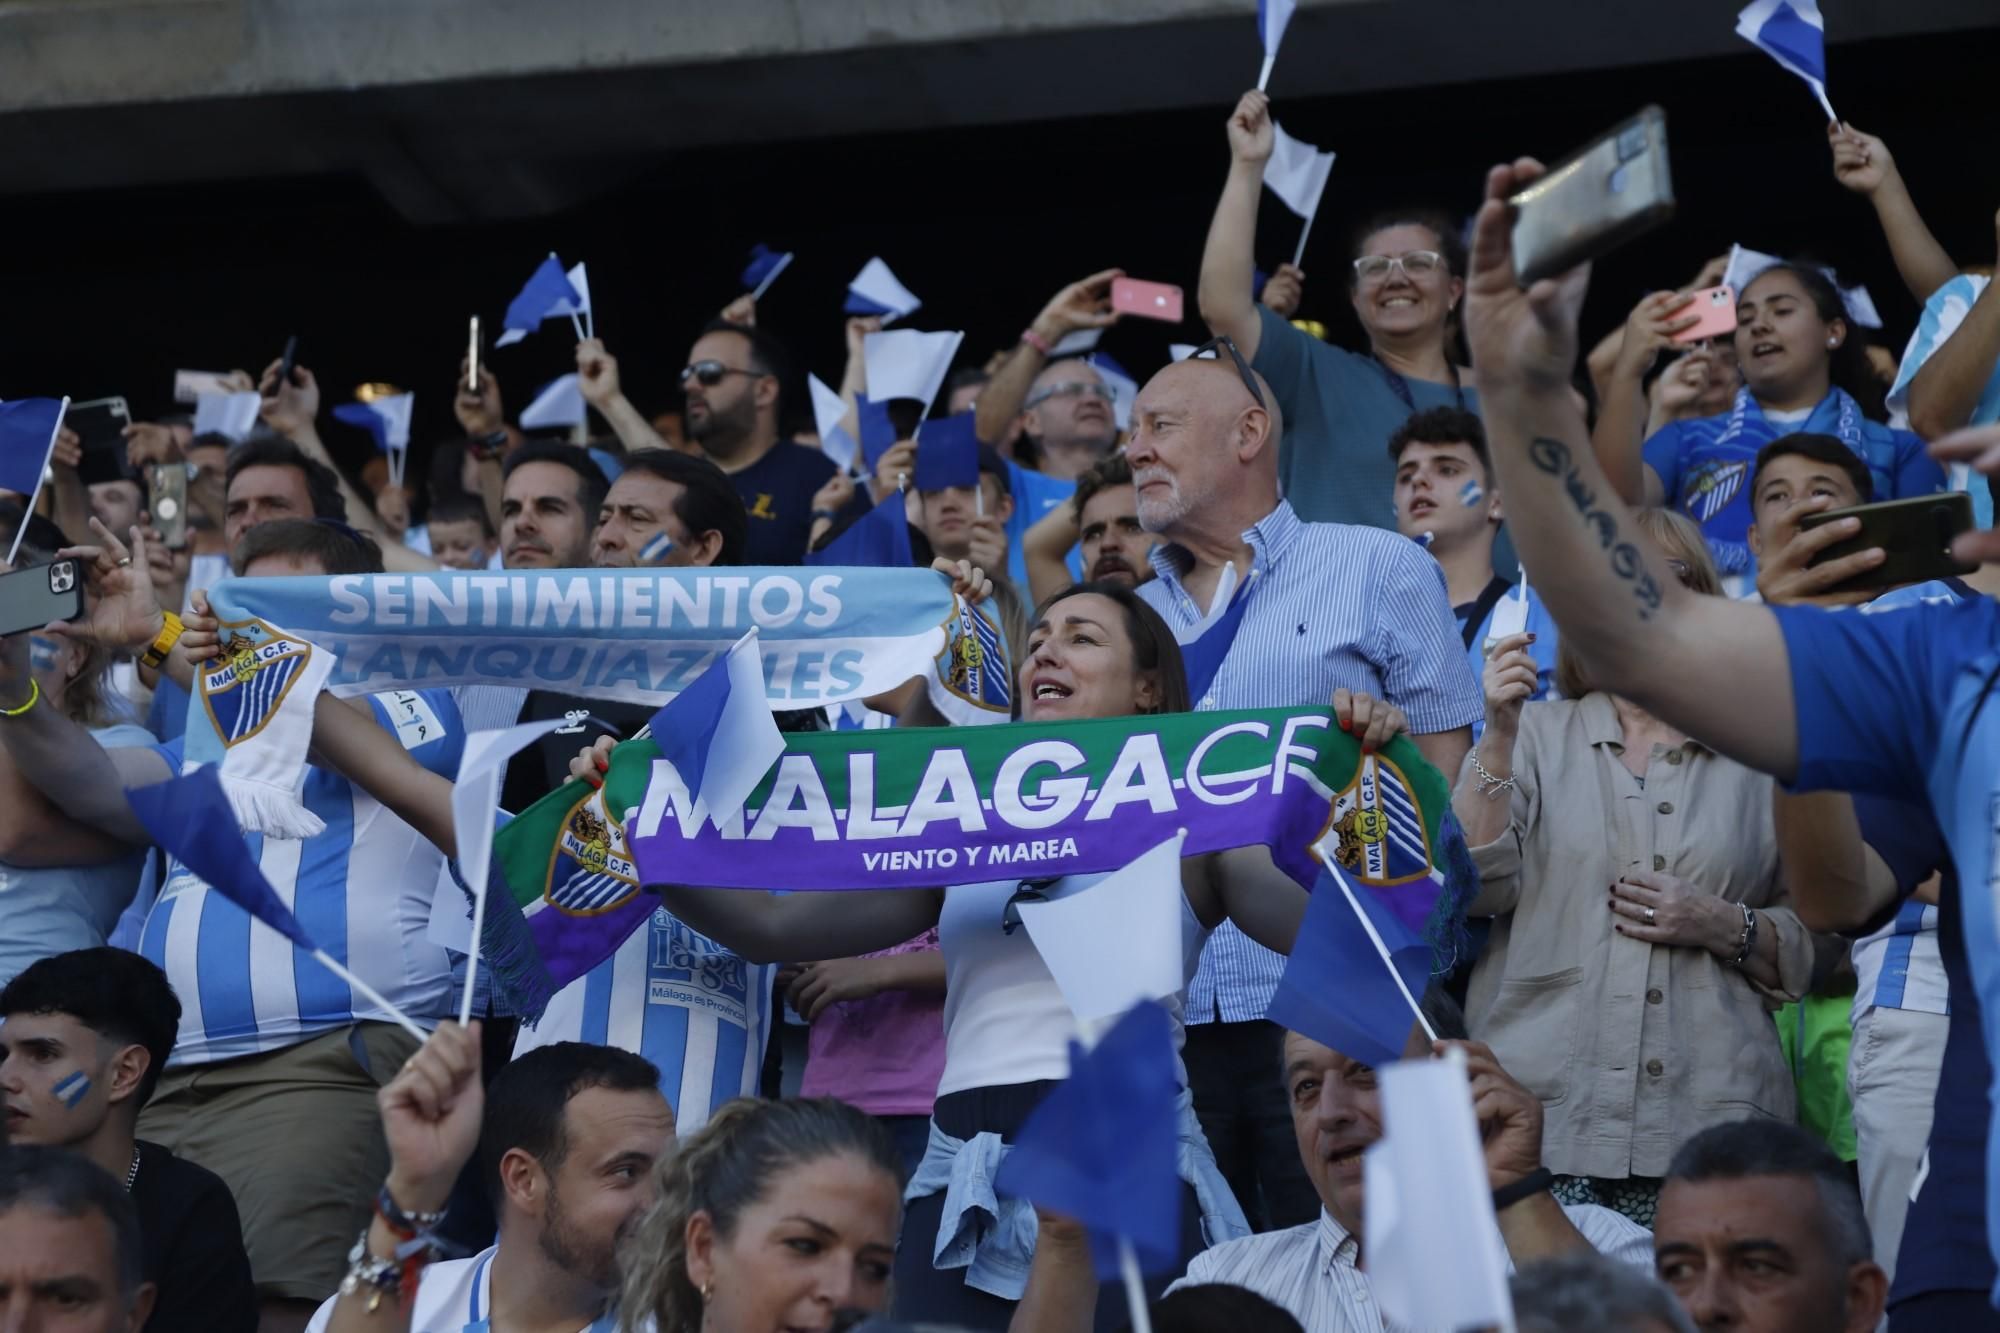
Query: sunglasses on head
{"points": [[712, 373], [1211, 350]]}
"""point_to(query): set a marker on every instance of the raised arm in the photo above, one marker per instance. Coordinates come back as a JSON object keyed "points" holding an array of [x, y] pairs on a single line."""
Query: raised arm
{"points": [[1704, 664], [1046, 547], [597, 378], [73, 772], [291, 410], [1863, 164], [1228, 260], [1947, 386], [1085, 304], [1623, 412]]}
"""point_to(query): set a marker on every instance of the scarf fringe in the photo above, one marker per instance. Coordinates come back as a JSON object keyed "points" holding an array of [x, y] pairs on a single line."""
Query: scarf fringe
{"points": [[270, 810]]}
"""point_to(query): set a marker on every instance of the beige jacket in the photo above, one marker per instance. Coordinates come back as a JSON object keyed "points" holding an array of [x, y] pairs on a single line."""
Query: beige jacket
{"points": [[1632, 1047]]}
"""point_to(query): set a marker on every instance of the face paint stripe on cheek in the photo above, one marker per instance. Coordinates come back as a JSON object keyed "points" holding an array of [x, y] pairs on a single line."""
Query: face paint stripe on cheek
{"points": [[72, 1089], [1470, 494]]}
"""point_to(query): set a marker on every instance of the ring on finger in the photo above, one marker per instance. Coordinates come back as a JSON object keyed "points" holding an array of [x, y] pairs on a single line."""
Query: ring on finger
{"points": [[1651, 916]]}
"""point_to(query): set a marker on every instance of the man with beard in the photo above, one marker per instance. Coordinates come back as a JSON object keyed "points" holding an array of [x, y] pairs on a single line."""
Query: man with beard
{"points": [[1102, 518], [734, 387], [567, 1144]]}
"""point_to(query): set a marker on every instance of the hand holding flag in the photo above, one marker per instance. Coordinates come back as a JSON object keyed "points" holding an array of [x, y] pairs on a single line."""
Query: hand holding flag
{"points": [[1792, 33]]}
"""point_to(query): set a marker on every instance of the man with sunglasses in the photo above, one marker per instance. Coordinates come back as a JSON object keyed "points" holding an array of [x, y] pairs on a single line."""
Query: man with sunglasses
{"points": [[1272, 612], [733, 384]]}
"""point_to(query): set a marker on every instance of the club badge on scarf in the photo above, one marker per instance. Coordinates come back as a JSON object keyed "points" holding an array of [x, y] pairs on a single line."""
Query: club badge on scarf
{"points": [[972, 681], [257, 742]]}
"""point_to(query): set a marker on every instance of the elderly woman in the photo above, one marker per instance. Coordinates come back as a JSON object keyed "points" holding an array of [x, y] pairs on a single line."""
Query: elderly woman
{"points": [[1640, 935]]}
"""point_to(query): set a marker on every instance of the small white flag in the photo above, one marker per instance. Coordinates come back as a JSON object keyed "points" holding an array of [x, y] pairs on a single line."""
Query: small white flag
{"points": [[228, 414], [1118, 941], [903, 363], [1297, 172], [1075, 343], [558, 406], [1180, 351], [875, 291], [828, 410], [1744, 266]]}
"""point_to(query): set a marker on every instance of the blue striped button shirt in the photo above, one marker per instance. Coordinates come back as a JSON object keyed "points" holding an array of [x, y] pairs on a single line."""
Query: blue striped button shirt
{"points": [[1330, 605]]}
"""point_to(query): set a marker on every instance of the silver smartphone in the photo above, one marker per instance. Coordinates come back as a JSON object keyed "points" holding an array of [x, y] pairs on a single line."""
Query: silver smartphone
{"points": [[1605, 194]]}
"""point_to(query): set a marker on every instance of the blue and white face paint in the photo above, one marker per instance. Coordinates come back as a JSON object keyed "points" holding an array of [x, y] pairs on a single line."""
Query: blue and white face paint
{"points": [[72, 1088], [1424, 539], [1471, 494], [42, 652], [656, 549]]}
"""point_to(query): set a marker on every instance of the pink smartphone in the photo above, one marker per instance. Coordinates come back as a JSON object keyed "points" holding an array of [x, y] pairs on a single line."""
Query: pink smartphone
{"points": [[1716, 308], [1151, 300]]}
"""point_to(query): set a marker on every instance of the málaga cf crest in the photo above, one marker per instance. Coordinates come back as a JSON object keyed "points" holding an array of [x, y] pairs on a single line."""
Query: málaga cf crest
{"points": [[244, 689], [1377, 831]]}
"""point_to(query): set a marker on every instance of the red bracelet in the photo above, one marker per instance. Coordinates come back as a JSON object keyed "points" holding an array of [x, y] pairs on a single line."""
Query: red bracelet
{"points": [[1037, 341]]}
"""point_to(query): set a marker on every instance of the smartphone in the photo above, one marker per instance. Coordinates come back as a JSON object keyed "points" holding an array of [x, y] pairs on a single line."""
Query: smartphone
{"points": [[99, 423], [33, 597], [288, 360], [1715, 308], [166, 508], [190, 385], [1147, 300], [472, 359], [1595, 200], [1915, 534]]}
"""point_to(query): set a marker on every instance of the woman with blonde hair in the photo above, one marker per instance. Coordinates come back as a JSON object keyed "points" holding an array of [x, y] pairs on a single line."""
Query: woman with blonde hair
{"points": [[774, 1216], [1641, 1016]]}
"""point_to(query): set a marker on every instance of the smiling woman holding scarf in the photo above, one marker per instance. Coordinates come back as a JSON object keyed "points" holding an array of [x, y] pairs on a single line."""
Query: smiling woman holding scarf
{"points": [[1799, 365], [1096, 651]]}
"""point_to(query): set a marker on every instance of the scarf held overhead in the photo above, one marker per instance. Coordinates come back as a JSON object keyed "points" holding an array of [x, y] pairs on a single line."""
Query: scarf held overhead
{"points": [[826, 636], [921, 807]]}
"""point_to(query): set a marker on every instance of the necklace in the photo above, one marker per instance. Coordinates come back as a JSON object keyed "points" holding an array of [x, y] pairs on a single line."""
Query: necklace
{"points": [[132, 1173]]}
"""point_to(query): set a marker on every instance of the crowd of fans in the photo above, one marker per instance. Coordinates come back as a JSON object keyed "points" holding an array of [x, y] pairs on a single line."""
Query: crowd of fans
{"points": [[1751, 1095]]}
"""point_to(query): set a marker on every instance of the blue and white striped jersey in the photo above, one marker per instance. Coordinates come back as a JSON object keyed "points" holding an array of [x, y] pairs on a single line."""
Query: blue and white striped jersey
{"points": [[699, 1012], [362, 889]]}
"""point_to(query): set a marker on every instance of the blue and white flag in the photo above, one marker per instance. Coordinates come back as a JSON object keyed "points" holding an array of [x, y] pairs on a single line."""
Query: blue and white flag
{"points": [[1272, 17], [558, 405], [1792, 33], [28, 428], [1124, 389], [548, 294], [719, 734], [876, 291], [829, 410], [387, 419], [763, 270], [230, 415], [1297, 173], [903, 363], [633, 635]]}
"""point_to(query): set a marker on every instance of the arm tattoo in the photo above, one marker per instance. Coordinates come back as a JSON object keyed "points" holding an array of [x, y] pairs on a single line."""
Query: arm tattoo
{"points": [[1627, 562]]}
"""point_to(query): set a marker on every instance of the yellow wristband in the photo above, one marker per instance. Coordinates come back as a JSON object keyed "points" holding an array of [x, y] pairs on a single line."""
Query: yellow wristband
{"points": [[170, 634], [34, 693]]}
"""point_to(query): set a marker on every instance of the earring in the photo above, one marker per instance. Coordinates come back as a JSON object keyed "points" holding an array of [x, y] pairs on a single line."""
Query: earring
{"points": [[1832, 342], [708, 1291]]}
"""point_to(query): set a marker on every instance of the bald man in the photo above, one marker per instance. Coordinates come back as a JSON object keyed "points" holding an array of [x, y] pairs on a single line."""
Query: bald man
{"points": [[1273, 612]]}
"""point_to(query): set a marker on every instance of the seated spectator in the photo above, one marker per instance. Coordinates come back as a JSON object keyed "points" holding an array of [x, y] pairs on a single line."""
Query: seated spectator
{"points": [[1609, 1019], [1447, 502], [62, 884], [1101, 522], [83, 1038], [1314, 1272], [1340, 407], [1800, 371], [1760, 1228], [70, 1251], [962, 524], [568, 1137], [278, 1051], [461, 536], [776, 1215], [1587, 1293]]}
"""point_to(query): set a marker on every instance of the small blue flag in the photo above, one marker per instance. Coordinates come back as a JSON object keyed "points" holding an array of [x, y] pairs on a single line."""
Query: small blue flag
{"points": [[193, 821], [948, 453], [764, 267], [1104, 1146], [387, 419], [719, 734], [1792, 33], [28, 429], [547, 293], [877, 431], [879, 539], [1335, 988]]}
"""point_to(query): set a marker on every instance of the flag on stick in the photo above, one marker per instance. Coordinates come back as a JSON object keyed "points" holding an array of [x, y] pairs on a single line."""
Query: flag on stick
{"points": [[549, 292], [28, 428], [1792, 33], [1272, 18], [763, 270]]}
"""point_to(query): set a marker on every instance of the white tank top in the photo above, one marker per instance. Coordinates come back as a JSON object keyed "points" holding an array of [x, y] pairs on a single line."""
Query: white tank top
{"points": [[1005, 1019]]}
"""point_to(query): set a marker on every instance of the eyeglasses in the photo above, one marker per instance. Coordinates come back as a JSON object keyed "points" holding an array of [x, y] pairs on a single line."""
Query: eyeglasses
{"points": [[1211, 349], [1071, 389], [712, 373], [1029, 891], [1414, 264]]}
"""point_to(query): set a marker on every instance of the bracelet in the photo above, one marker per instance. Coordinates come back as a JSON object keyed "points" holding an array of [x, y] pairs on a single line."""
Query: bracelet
{"points": [[170, 634], [488, 446], [1535, 1182], [1489, 786], [405, 1224], [1037, 341], [1748, 942], [34, 694], [384, 1277], [823, 513]]}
